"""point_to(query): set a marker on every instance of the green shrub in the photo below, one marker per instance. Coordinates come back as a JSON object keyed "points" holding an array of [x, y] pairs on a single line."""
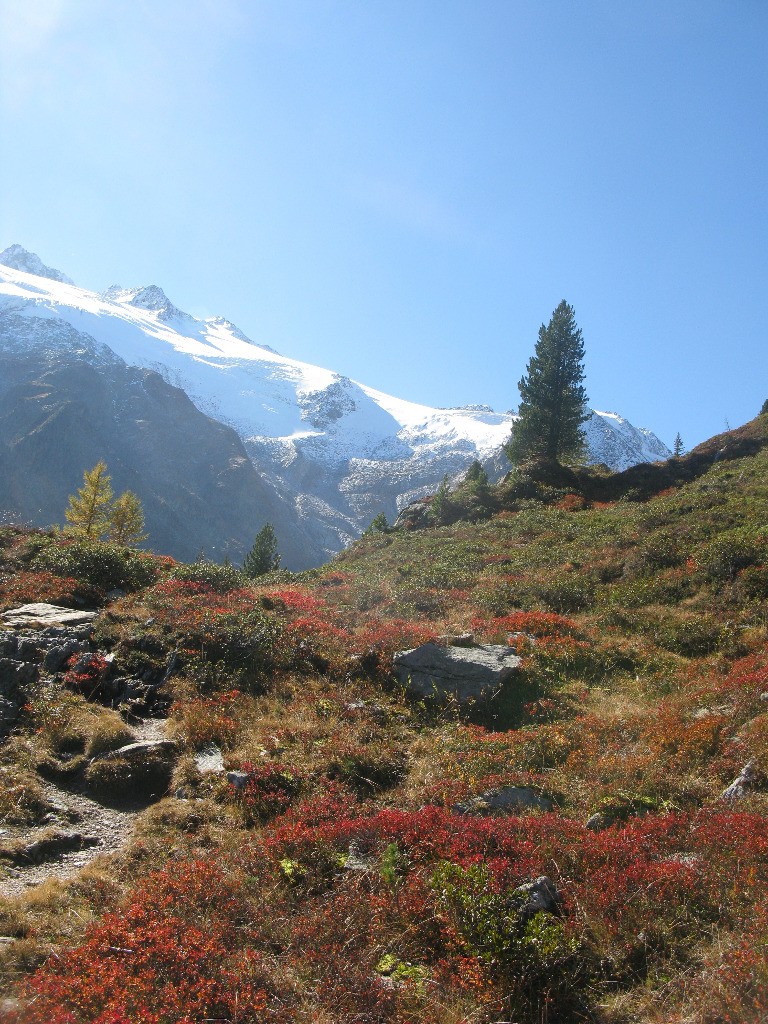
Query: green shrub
{"points": [[541, 966], [722, 559], [686, 633], [565, 591], [220, 577], [97, 564]]}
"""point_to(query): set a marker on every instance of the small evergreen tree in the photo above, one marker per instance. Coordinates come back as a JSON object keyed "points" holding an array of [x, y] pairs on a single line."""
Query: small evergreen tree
{"points": [[439, 506], [553, 399], [88, 510], [126, 520], [263, 556], [678, 449], [764, 410], [477, 478], [378, 524]]}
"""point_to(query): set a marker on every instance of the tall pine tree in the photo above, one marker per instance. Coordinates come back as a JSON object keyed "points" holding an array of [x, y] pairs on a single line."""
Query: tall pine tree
{"points": [[553, 399]]}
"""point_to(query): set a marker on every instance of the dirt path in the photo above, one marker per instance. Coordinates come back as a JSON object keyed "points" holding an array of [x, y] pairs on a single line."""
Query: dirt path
{"points": [[102, 830]]}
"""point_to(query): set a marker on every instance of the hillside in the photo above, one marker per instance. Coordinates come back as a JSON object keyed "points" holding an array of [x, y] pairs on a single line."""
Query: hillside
{"points": [[586, 841]]}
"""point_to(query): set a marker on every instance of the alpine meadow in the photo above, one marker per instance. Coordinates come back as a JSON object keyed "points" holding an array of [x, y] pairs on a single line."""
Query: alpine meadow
{"points": [[383, 512]]}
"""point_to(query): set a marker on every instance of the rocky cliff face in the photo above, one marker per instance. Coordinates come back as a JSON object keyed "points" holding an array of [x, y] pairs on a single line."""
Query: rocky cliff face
{"points": [[223, 434]]}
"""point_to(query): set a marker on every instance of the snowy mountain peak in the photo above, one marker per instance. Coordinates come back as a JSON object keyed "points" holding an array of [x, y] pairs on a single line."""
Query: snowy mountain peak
{"points": [[18, 258], [151, 297]]}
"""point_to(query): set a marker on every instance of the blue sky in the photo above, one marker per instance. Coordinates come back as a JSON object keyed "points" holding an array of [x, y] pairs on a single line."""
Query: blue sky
{"points": [[403, 190]]}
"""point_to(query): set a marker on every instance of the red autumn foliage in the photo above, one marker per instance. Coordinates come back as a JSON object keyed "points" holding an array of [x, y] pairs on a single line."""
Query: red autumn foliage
{"points": [[25, 587], [175, 953]]}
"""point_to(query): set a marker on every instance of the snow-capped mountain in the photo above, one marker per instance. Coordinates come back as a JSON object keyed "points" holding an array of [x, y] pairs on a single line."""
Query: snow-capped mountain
{"points": [[335, 451]]}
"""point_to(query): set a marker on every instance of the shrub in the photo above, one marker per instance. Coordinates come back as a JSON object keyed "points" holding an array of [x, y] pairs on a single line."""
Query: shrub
{"points": [[220, 578], [270, 790], [209, 720], [226, 638], [722, 559], [536, 956], [564, 590], [24, 587], [173, 953], [98, 564]]}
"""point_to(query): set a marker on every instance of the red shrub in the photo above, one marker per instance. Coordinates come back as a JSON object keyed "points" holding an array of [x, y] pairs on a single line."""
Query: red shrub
{"points": [[24, 587], [174, 954]]}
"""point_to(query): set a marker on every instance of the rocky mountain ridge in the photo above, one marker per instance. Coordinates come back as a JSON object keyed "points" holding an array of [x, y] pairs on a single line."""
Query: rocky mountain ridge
{"points": [[330, 453]]}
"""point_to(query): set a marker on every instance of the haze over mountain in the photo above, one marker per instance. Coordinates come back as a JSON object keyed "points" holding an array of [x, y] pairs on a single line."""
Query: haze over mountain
{"points": [[216, 433]]}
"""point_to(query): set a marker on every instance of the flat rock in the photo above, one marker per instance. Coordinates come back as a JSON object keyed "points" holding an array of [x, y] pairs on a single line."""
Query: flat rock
{"points": [[139, 751], [464, 673], [507, 800], [42, 615]]}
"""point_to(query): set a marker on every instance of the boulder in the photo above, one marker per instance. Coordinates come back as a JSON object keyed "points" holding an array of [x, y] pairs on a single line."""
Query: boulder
{"points": [[41, 614], [9, 713], [136, 772], [50, 846], [537, 896], [747, 779], [238, 779], [14, 674], [137, 752], [57, 656], [507, 800], [464, 673]]}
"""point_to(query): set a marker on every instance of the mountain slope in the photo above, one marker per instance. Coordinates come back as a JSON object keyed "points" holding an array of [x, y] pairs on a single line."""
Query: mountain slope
{"points": [[337, 450], [60, 414]]}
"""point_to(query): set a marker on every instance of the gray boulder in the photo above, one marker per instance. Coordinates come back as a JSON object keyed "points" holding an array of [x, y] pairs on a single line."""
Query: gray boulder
{"points": [[58, 655], [540, 895], [507, 800], [14, 674], [747, 779], [464, 673]]}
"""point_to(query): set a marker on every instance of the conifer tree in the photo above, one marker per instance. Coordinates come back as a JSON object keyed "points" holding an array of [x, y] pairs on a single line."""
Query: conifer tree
{"points": [[553, 399], [263, 556], [126, 520], [678, 449], [439, 506], [476, 476], [88, 510], [378, 524]]}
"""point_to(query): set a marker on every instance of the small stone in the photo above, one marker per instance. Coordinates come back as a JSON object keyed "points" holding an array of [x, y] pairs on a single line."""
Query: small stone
{"points": [[238, 779], [746, 780], [540, 895]]}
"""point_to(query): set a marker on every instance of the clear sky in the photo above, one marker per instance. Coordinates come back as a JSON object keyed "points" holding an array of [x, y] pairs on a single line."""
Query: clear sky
{"points": [[403, 190]]}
